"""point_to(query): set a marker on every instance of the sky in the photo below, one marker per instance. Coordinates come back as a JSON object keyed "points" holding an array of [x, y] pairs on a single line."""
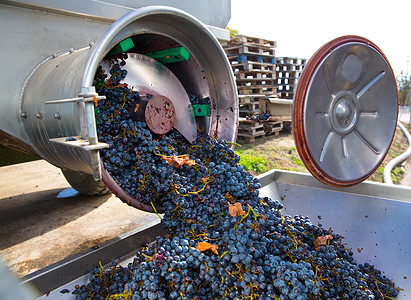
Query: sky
{"points": [[301, 27]]}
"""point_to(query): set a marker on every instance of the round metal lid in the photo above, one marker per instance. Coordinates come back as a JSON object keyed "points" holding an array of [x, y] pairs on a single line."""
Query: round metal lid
{"points": [[160, 115], [345, 111]]}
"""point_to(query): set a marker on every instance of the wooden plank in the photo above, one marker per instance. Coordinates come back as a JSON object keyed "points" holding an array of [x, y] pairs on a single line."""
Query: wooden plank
{"points": [[267, 59], [291, 60], [252, 66], [249, 50], [248, 90], [260, 75], [255, 83], [251, 131], [286, 95], [245, 124], [273, 127], [243, 39]]}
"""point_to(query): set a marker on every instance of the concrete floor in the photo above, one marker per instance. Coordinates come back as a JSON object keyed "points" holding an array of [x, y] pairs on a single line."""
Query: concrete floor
{"points": [[38, 228]]}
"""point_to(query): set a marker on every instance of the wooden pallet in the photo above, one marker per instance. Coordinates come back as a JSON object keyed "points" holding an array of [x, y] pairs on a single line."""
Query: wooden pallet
{"points": [[286, 95], [287, 73], [261, 75], [257, 90], [286, 81], [242, 39], [250, 66], [273, 128], [243, 58], [248, 113], [288, 68], [255, 82], [248, 139], [250, 130], [249, 50], [291, 60]]}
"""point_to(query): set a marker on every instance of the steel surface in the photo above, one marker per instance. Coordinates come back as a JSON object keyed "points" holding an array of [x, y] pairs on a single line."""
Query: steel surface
{"points": [[346, 109], [41, 28], [372, 217], [69, 73]]}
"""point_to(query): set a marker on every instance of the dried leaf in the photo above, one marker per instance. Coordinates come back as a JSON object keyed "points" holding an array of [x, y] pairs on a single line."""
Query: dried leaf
{"points": [[203, 246], [236, 209], [321, 241], [179, 161]]}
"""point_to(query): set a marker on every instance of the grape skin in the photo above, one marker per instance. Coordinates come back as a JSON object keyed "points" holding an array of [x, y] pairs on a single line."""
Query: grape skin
{"points": [[263, 254]]}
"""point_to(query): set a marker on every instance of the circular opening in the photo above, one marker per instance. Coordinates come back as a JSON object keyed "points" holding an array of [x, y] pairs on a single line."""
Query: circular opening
{"points": [[137, 110], [171, 47], [131, 158]]}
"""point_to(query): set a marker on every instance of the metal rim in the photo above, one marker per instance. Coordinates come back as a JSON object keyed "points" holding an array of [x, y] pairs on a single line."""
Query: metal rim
{"points": [[345, 111], [213, 67]]}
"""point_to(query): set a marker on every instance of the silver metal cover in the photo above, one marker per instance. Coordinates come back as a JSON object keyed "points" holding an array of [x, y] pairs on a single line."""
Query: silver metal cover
{"points": [[348, 112]]}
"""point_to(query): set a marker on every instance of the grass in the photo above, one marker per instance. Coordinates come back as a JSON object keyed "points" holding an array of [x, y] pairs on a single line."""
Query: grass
{"points": [[280, 153], [294, 157], [262, 157], [252, 162]]}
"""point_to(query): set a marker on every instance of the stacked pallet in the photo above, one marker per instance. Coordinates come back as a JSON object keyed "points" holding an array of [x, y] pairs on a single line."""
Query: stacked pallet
{"points": [[253, 62], [288, 71]]}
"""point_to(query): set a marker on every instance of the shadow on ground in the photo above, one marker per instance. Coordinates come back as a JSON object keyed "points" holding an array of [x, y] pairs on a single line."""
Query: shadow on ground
{"points": [[29, 215]]}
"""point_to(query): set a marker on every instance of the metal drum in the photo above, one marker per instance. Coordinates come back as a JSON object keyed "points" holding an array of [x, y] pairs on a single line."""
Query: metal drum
{"points": [[58, 97]]}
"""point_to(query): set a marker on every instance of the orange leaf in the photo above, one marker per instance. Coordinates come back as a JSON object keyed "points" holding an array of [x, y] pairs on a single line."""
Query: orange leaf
{"points": [[95, 100], [321, 241], [236, 209], [179, 161], [203, 246]]}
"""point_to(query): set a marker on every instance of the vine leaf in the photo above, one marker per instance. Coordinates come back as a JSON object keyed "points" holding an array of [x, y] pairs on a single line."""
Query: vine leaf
{"points": [[203, 246], [179, 161], [236, 209], [321, 241]]}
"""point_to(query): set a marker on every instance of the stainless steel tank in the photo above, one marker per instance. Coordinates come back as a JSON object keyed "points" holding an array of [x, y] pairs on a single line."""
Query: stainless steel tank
{"points": [[47, 95]]}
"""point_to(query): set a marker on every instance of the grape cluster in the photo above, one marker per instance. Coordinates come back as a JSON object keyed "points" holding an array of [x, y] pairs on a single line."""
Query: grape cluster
{"points": [[223, 240]]}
